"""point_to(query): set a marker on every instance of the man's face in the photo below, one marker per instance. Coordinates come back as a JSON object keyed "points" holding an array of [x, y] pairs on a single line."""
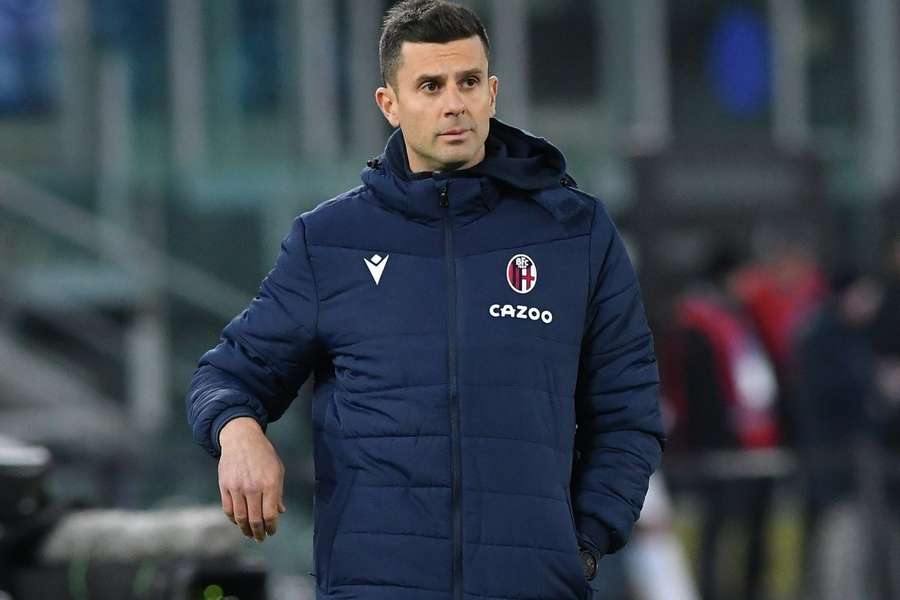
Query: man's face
{"points": [[443, 102]]}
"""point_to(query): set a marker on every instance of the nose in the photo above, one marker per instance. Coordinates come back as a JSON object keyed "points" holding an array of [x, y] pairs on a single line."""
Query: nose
{"points": [[453, 102]]}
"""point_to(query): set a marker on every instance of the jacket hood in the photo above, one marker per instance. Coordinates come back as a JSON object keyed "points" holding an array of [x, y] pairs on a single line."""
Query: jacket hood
{"points": [[515, 162]]}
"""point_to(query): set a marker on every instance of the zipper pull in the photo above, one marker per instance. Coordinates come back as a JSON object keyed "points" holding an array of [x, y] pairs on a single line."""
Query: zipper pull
{"points": [[445, 200]]}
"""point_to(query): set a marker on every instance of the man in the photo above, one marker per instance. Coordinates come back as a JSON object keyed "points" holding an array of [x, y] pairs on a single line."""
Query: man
{"points": [[833, 404], [460, 311], [723, 392]]}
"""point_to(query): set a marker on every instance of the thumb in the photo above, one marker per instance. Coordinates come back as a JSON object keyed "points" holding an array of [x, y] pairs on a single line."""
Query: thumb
{"points": [[281, 506]]}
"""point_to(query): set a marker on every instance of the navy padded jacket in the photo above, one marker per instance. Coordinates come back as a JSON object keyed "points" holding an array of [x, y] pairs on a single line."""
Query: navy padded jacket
{"points": [[486, 393]]}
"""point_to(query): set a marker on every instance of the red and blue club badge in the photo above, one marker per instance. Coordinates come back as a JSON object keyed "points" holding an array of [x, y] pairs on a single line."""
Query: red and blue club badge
{"points": [[521, 273]]}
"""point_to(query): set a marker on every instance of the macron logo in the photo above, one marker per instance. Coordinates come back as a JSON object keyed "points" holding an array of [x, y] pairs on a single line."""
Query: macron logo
{"points": [[376, 266]]}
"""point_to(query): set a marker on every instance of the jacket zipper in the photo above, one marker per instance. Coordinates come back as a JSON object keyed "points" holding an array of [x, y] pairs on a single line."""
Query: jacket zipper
{"points": [[456, 465]]}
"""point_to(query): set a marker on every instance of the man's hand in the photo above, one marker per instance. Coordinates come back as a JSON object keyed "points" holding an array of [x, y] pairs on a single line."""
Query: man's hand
{"points": [[251, 478]]}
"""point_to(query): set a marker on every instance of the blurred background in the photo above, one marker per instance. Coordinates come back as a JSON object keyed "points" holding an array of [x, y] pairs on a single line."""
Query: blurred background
{"points": [[154, 152]]}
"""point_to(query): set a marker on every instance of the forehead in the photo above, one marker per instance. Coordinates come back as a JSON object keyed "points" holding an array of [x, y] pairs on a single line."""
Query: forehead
{"points": [[441, 59]]}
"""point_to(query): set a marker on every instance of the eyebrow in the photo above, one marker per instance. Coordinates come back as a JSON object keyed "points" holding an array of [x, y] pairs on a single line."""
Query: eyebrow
{"points": [[423, 78]]}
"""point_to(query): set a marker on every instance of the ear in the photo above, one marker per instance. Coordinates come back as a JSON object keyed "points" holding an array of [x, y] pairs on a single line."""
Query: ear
{"points": [[386, 99], [493, 86]]}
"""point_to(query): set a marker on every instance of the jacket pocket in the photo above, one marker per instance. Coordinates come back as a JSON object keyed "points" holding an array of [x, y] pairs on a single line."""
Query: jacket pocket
{"points": [[329, 518]]}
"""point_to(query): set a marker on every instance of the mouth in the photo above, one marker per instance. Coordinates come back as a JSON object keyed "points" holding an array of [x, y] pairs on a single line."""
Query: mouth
{"points": [[454, 133]]}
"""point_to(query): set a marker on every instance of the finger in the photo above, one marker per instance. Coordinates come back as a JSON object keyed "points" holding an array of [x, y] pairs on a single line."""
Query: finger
{"points": [[240, 513], [254, 515], [270, 504], [281, 506], [227, 506]]}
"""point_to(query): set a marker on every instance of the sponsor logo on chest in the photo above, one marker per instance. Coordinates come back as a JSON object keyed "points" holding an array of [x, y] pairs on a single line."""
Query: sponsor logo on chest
{"points": [[521, 275]]}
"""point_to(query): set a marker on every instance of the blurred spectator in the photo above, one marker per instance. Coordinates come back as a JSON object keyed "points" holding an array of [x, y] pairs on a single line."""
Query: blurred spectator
{"points": [[834, 380], [712, 335], [722, 387], [886, 340], [780, 292], [834, 385]]}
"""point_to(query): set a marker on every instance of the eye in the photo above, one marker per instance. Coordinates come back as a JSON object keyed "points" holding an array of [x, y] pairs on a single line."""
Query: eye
{"points": [[429, 86], [471, 81]]}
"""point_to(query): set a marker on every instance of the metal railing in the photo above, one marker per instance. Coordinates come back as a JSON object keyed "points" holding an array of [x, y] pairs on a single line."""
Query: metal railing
{"points": [[148, 385], [118, 245]]}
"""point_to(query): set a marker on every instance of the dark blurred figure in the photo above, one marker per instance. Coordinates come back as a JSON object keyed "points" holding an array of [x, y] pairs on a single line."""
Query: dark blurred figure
{"points": [[722, 388], [886, 341], [833, 393]]}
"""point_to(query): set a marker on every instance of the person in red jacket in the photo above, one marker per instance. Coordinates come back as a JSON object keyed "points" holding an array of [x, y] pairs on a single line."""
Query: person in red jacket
{"points": [[722, 389], [780, 293]]}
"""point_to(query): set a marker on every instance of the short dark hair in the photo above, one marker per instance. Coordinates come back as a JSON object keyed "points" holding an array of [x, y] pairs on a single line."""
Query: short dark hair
{"points": [[424, 21]]}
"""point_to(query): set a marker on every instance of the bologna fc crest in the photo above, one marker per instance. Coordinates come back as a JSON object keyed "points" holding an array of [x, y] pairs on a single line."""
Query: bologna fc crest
{"points": [[521, 273]]}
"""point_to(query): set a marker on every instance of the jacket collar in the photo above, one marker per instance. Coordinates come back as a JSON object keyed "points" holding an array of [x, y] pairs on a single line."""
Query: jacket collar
{"points": [[514, 161], [469, 193]]}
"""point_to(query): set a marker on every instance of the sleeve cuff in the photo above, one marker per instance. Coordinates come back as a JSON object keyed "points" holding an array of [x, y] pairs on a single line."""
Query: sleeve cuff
{"points": [[223, 418], [594, 535]]}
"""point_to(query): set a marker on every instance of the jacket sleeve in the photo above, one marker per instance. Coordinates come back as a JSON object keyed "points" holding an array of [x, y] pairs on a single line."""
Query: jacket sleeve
{"points": [[264, 354], [619, 436]]}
